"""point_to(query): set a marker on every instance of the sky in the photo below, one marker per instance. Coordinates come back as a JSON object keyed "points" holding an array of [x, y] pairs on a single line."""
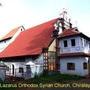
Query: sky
{"points": [[14, 13]]}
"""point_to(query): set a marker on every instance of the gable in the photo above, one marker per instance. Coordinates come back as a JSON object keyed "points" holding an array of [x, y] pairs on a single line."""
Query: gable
{"points": [[11, 33], [52, 46]]}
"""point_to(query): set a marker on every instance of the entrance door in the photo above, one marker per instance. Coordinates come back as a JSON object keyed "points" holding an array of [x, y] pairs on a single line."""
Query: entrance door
{"points": [[28, 72]]}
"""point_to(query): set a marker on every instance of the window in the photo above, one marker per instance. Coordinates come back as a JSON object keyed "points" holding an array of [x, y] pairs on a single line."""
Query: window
{"points": [[84, 65], [65, 43], [70, 66], [28, 67], [21, 70], [5, 41], [72, 42], [21, 29], [7, 68], [82, 41], [13, 68]]}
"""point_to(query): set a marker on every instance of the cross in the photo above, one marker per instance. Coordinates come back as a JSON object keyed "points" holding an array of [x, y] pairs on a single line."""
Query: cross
{"points": [[63, 13]]}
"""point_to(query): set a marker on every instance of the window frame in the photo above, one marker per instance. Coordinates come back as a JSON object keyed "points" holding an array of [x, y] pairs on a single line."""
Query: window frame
{"points": [[65, 43], [71, 67], [85, 66], [73, 42], [21, 70]]}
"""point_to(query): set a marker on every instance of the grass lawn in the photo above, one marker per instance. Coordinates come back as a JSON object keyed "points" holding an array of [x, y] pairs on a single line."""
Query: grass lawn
{"points": [[54, 78], [46, 78]]}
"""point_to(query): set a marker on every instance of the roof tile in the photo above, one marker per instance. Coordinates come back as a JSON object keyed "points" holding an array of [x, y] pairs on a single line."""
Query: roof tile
{"points": [[69, 32], [31, 41]]}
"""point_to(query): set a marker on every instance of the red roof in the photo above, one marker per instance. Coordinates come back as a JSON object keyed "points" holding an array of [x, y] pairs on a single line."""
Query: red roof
{"points": [[31, 41], [10, 34], [69, 32]]}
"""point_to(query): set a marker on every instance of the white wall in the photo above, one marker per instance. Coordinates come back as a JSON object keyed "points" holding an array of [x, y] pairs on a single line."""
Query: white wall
{"points": [[5, 43], [17, 33], [79, 47], [78, 65], [2, 73], [16, 66], [35, 65]]}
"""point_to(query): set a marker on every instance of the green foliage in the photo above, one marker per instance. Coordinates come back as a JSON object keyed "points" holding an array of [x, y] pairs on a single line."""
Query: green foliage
{"points": [[53, 77]]}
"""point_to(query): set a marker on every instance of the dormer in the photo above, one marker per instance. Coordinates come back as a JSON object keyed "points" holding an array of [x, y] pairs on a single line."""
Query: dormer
{"points": [[9, 37], [12, 33]]}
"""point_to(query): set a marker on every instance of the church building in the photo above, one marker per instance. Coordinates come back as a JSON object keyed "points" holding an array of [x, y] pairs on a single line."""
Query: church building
{"points": [[51, 46]]}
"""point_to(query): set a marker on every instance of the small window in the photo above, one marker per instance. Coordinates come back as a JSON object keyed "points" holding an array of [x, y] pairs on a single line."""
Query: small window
{"points": [[84, 65], [72, 42], [7, 68], [5, 41], [65, 43], [21, 70], [70, 66], [28, 67]]}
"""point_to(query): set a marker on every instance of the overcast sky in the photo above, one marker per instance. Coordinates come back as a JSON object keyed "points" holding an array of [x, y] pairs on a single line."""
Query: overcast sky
{"points": [[14, 13]]}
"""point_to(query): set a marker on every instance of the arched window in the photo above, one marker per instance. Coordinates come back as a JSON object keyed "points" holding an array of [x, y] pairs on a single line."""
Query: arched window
{"points": [[84, 65]]}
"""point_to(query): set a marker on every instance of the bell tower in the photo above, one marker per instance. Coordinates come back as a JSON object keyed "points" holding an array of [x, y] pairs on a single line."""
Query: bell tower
{"points": [[62, 24]]}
